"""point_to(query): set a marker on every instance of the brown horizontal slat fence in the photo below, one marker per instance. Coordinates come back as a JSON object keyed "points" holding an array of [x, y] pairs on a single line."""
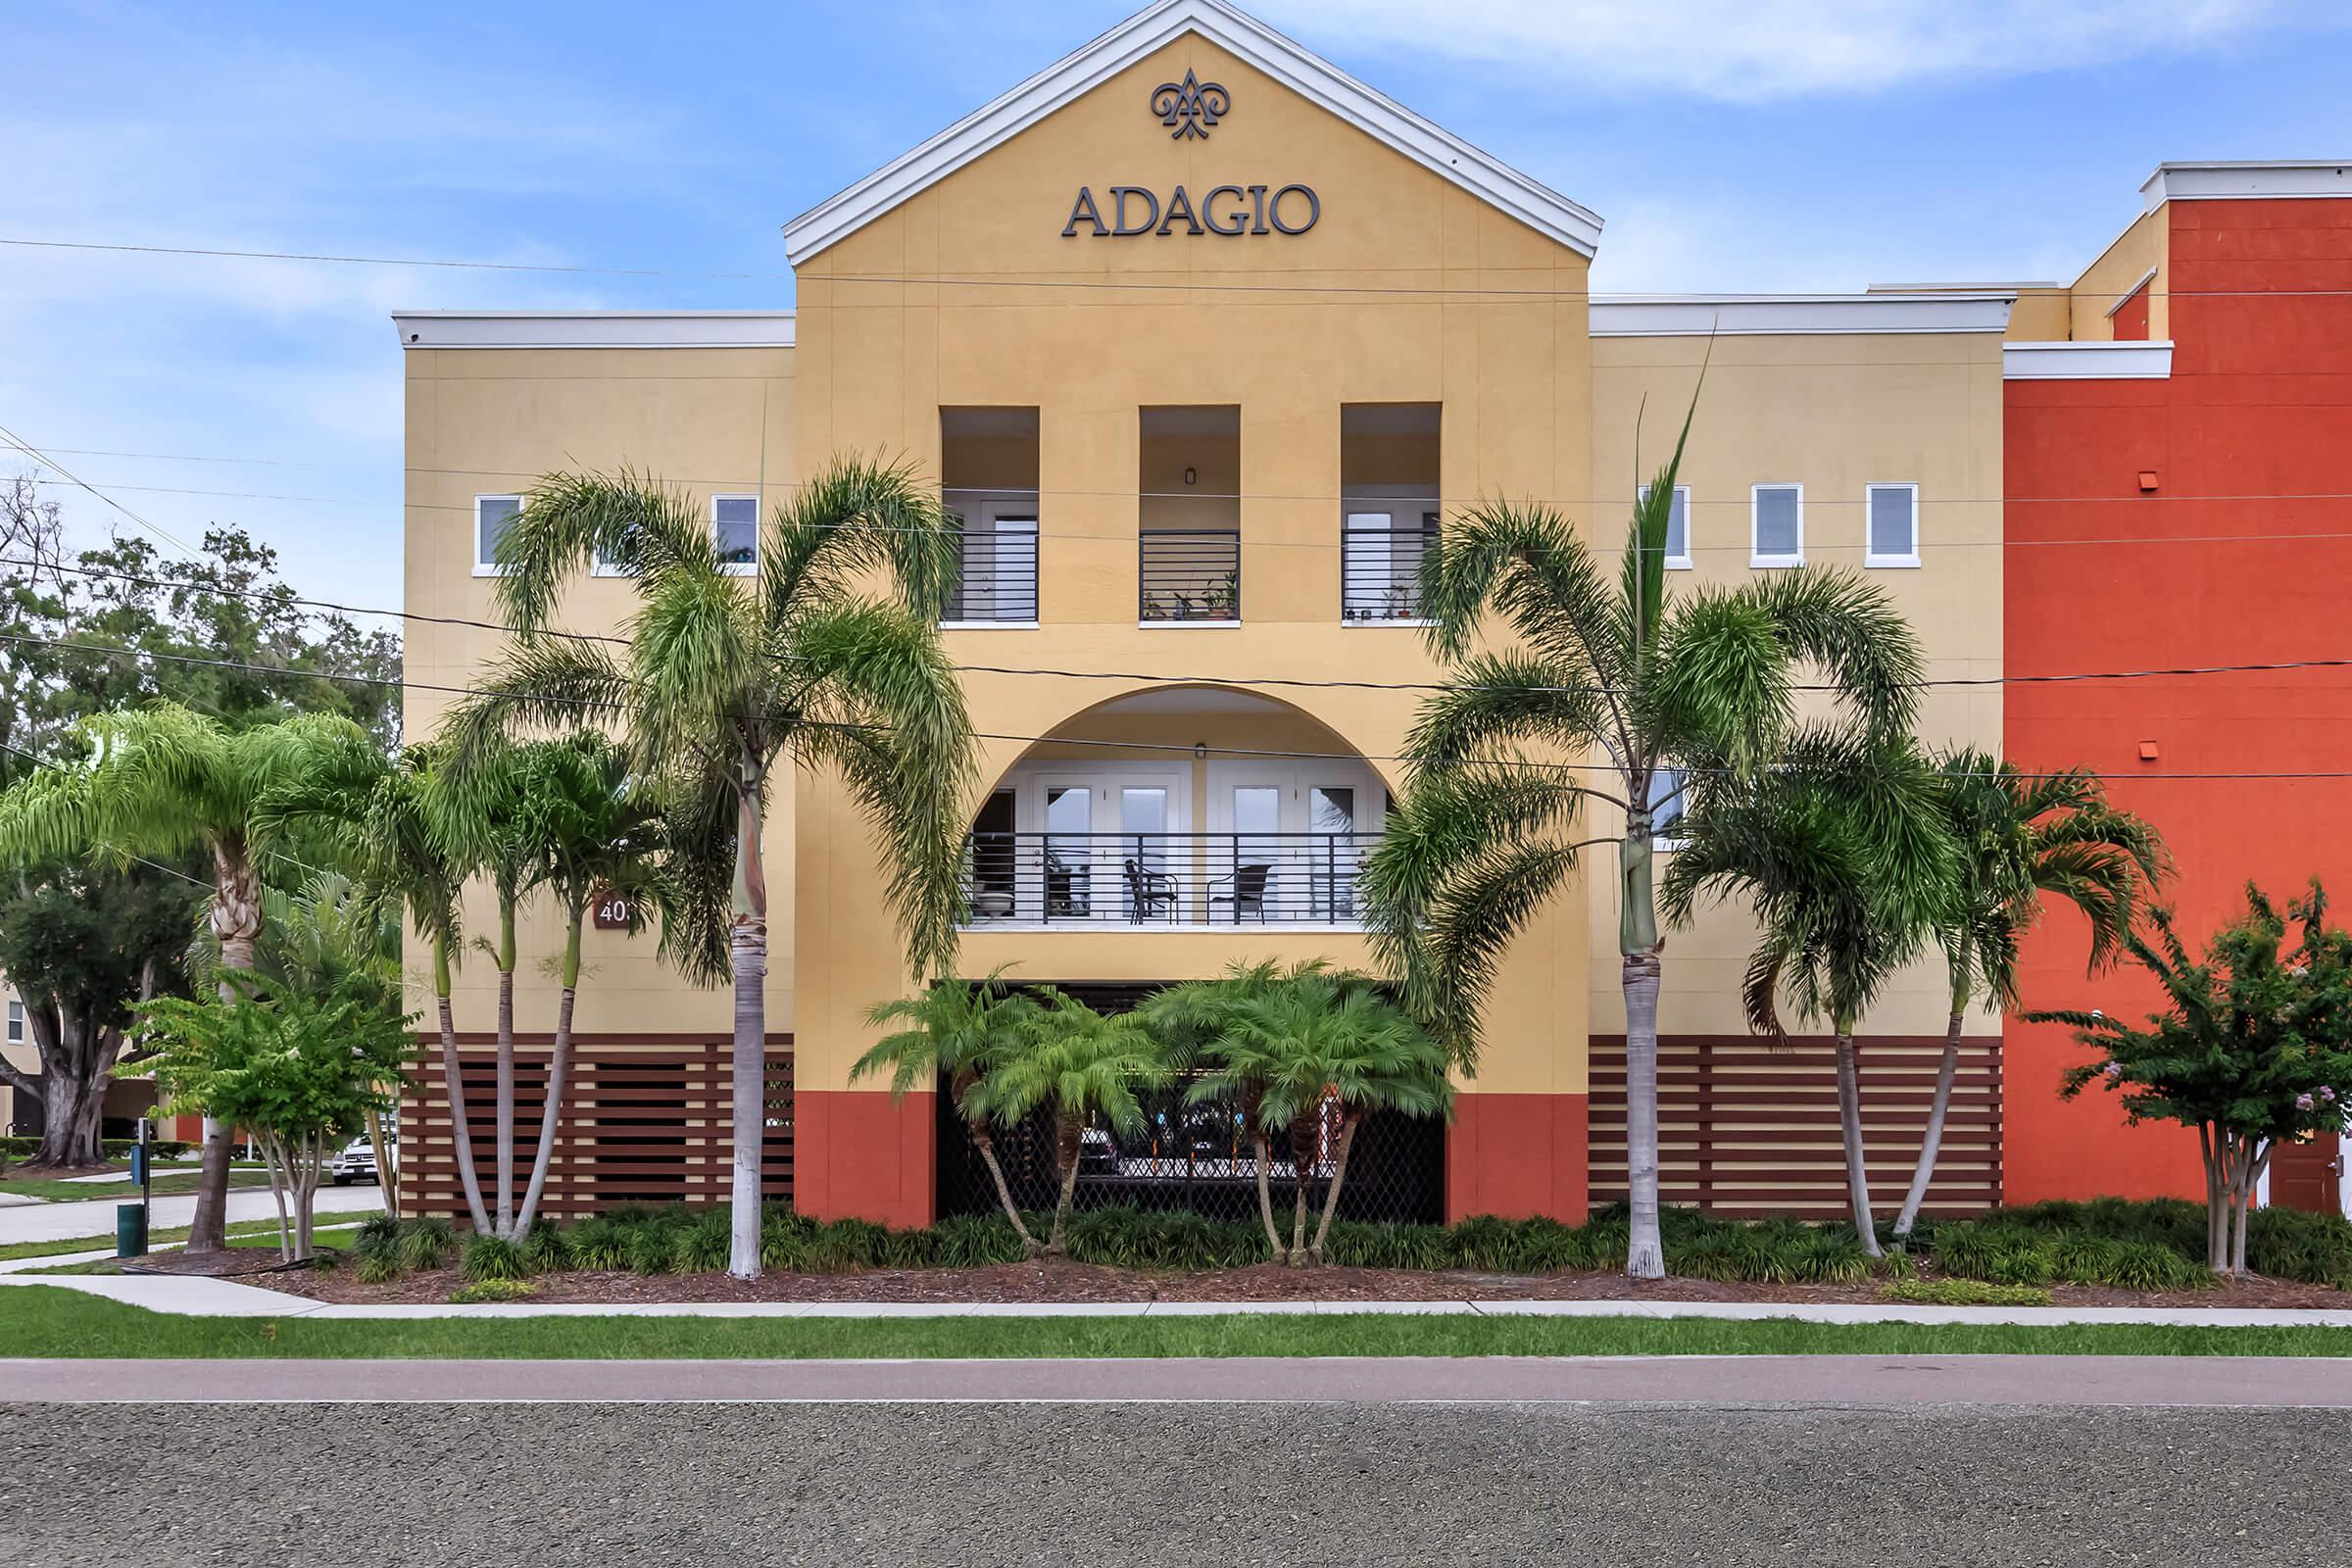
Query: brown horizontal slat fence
{"points": [[1750, 1127], [642, 1123]]}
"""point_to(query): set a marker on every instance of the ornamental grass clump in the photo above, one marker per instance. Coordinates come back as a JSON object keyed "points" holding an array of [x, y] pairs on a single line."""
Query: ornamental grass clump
{"points": [[493, 1257], [424, 1243]]}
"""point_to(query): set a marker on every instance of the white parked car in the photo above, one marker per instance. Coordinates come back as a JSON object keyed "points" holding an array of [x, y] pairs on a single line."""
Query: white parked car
{"points": [[356, 1164]]}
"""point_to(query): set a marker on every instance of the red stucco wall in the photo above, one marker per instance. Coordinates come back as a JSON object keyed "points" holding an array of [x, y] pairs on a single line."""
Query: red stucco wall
{"points": [[2227, 561]]}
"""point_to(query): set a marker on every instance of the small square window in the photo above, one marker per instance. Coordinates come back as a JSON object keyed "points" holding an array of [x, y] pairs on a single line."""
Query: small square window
{"points": [[16, 1023], [491, 516], [1666, 805], [1893, 510], [1678, 528], [737, 521], [1779, 521]]}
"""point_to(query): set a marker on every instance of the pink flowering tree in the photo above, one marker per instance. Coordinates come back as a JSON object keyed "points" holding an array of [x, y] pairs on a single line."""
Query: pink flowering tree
{"points": [[2253, 1047]]}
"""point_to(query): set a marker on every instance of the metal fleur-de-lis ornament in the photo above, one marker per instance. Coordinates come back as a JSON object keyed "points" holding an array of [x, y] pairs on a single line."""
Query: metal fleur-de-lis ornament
{"points": [[1190, 105]]}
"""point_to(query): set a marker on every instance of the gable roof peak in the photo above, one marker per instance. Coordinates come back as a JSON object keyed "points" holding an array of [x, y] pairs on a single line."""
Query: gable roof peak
{"points": [[1238, 33]]}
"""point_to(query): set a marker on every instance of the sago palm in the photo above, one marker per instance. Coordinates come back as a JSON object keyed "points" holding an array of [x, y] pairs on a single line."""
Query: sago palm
{"points": [[961, 1030], [1554, 668], [2021, 836], [1316, 1040], [1845, 856], [719, 676], [165, 781], [1082, 1068]]}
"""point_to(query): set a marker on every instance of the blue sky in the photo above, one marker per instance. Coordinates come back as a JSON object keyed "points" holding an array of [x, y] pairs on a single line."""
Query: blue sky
{"points": [[1731, 144]]}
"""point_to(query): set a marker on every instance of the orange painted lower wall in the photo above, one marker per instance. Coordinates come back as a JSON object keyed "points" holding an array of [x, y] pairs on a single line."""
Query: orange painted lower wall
{"points": [[1518, 1157], [2081, 1148], [862, 1154]]}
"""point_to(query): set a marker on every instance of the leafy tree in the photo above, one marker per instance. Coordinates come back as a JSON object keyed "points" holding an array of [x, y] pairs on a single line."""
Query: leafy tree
{"points": [[2253, 1047], [2021, 837], [1083, 1066], [1846, 858], [720, 676], [300, 1072], [165, 781], [1313, 1040], [961, 1030], [83, 944], [1549, 663]]}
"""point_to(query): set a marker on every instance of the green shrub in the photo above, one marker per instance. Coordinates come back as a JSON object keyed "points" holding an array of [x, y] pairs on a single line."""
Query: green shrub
{"points": [[2145, 1266], [1963, 1292], [543, 1247], [705, 1244], [845, 1247], [493, 1288], [492, 1258], [1357, 1244], [2020, 1263], [2291, 1243], [377, 1265], [376, 1230], [425, 1244], [974, 1241], [651, 1245]]}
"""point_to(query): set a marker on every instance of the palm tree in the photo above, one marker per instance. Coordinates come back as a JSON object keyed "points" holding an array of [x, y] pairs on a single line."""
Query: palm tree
{"points": [[963, 1030], [715, 682], [1314, 1040], [167, 781], [1189, 1019], [1660, 689], [1847, 859], [386, 826], [2021, 836], [599, 830], [1083, 1066]]}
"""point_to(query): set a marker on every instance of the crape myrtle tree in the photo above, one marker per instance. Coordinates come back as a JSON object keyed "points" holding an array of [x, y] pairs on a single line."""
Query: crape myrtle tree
{"points": [[165, 781], [829, 655], [301, 1072], [2023, 838], [2252, 1047], [1549, 666], [1842, 851]]}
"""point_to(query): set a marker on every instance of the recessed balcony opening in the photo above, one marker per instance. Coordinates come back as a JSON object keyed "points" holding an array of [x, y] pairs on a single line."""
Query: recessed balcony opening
{"points": [[1189, 561], [1181, 807], [988, 476], [1389, 509]]}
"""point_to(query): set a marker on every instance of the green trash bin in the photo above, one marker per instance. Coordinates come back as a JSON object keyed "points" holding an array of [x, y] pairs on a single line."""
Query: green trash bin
{"points": [[130, 1229]]}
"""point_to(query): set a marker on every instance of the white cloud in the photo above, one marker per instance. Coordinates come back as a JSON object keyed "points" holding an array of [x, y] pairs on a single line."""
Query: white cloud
{"points": [[1760, 49]]}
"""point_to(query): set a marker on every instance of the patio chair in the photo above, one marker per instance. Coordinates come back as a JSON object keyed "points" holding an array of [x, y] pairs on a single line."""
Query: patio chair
{"points": [[1248, 894], [1149, 892]]}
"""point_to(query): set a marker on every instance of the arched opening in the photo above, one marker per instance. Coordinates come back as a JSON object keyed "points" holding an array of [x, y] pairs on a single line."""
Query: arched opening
{"points": [[1178, 806]]}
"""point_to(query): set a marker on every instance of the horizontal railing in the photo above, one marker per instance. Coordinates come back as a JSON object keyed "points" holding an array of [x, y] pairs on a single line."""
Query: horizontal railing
{"points": [[1190, 575], [1165, 879], [1380, 572], [996, 576]]}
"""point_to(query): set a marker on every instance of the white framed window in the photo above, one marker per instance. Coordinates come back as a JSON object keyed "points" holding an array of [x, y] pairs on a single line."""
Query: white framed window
{"points": [[491, 516], [1667, 801], [1678, 528], [16, 1022], [1776, 526], [1892, 517], [735, 521]]}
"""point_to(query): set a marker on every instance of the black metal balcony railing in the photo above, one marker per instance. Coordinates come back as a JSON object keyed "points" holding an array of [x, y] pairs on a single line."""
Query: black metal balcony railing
{"points": [[1190, 575], [996, 578], [1380, 572], [1196, 879]]}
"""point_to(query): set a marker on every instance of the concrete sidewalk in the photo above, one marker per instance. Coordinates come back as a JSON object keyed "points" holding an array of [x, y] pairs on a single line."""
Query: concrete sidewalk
{"points": [[64, 1221], [1843, 1381], [209, 1297]]}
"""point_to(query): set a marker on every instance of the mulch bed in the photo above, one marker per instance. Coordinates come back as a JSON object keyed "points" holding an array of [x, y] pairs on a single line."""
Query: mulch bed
{"points": [[230, 1263], [1087, 1282]]}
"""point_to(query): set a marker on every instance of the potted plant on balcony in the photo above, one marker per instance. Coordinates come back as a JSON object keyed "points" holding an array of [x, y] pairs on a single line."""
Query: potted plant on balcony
{"points": [[1224, 598]]}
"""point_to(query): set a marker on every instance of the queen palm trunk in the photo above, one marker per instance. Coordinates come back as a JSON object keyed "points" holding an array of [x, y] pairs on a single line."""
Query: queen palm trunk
{"points": [[1849, 1120], [1349, 1120], [1930, 1143], [559, 1071], [1646, 1250], [504, 1173], [236, 920], [453, 1091], [746, 956]]}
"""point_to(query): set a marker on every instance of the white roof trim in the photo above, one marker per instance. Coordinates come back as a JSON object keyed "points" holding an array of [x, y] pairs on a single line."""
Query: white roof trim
{"points": [[594, 329], [1797, 315], [1375, 114], [2261, 180], [2126, 296], [2086, 361]]}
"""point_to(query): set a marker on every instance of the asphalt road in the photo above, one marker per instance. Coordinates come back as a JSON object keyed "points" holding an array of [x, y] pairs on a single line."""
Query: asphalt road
{"points": [[1138, 1486]]}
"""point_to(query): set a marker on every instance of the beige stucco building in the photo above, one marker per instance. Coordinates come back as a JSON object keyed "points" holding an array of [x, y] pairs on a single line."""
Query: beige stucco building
{"points": [[1203, 338]]}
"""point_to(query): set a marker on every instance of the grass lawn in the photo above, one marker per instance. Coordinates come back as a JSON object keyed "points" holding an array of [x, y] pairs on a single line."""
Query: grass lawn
{"points": [[179, 1233], [65, 1192], [48, 1321]]}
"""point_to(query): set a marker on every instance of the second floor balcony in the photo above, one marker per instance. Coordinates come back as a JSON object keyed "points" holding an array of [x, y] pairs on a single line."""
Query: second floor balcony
{"points": [[1190, 576], [1097, 880]]}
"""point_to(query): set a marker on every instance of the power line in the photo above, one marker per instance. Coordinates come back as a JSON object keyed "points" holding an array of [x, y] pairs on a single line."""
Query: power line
{"points": [[241, 495], [39, 456], [388, 261]]}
